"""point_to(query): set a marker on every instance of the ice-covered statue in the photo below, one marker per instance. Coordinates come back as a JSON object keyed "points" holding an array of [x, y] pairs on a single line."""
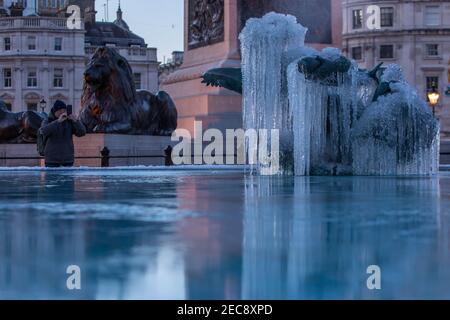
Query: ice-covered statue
{"points": [[397, 133], [334, 118]]}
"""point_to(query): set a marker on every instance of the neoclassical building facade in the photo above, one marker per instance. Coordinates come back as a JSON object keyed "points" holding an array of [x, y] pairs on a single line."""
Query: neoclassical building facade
{"points": [[414, 34], [41, 58]]}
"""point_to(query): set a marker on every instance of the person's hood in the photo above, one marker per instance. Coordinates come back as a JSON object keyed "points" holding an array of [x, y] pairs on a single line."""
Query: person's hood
{"points": [[58, 106]]}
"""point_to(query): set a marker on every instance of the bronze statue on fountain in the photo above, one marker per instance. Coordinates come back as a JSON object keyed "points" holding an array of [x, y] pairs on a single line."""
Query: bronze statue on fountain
{"points": [[20, 127], [111, 104]]}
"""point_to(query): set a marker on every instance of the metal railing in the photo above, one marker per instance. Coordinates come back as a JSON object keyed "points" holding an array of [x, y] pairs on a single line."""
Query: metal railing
{"points": [[105, 157]]}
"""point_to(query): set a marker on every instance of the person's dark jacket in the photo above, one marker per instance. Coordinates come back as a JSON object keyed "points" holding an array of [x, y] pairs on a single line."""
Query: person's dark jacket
{"points": [[57, 135]]}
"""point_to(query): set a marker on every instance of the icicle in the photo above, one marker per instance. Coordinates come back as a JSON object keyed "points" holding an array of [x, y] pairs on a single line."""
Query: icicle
{"points": [[265, 105], [397, 134], [323, 112], [328, 123]]}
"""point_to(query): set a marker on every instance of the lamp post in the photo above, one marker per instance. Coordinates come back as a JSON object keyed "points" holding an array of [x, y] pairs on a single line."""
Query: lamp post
{"points": [[43, 105], [433, 97]]}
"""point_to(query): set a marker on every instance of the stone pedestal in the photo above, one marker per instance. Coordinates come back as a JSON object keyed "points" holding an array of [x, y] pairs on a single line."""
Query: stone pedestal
{"points": [[445, 152], [211, 41], [124, 150], [19, 155]]}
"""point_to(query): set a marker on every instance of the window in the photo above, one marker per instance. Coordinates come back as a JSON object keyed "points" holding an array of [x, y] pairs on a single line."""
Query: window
{"points": [[137, 80], [58, 44], [432, 15], [134, 50], [52, 4], [432, 50], [432, 82], [7, 44], [386, 51], [387, 17], [31, 43], [7, 78], [8, 106], [32, 106], [58, 78], [357, 19], [357, 53], [32, 78]]}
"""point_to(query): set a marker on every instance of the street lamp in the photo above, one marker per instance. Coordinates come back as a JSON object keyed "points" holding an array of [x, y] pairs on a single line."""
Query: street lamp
{"points": [[43, 105], [433, 97]]}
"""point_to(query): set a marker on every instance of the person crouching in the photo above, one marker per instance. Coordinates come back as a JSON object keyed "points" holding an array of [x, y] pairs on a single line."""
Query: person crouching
{"points": [[57, 131]]}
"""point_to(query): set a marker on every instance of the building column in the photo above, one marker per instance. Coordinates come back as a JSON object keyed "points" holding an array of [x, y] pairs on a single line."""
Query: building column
{"points": [[45, 81], [18, 85], [71, 83]]}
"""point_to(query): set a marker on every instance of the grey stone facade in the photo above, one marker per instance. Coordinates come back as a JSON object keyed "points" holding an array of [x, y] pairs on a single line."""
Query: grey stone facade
{"points": [[41, 58]]}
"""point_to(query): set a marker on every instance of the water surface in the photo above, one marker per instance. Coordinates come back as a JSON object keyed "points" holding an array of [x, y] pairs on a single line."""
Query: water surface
{"points": [[141, 234]]}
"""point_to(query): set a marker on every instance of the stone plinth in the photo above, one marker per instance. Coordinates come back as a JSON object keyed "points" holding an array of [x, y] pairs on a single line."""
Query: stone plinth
{"points": [[211, 42], [323, 18], [19, 155], [445, 152], [125, 150]]}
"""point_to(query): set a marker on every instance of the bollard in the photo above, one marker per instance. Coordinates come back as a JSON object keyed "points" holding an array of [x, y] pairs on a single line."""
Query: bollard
{"points": [[168, 156], [105, 157]]}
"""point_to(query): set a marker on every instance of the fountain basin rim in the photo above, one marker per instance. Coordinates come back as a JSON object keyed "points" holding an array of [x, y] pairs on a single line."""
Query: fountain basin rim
{"points": [[236, 168]]}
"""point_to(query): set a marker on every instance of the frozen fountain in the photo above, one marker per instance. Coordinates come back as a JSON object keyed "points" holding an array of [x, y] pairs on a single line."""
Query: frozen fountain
{"points": [[323, 113], [397, 134], [334, 119], [265, 44]]}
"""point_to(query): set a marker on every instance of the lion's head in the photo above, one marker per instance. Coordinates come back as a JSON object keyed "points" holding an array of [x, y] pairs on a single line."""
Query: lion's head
{"points": [[108, 73]]}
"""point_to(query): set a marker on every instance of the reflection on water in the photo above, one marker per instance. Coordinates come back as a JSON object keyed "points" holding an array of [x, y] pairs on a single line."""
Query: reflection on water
{"points": [[221, 235], [313, 238]]}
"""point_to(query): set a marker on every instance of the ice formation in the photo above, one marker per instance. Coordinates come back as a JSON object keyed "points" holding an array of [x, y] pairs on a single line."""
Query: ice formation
{"points": [[397, 134], [265, 43], [323, 113], [334, 119]]}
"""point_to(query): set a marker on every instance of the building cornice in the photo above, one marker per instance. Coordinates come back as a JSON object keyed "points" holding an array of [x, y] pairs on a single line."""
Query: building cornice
{"points": [[403, 32], [23, 57], [352, 3]]}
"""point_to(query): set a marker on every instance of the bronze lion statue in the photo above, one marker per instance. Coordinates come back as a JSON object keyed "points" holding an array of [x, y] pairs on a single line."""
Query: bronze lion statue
{"points": [[20, 127], [111, 104]]}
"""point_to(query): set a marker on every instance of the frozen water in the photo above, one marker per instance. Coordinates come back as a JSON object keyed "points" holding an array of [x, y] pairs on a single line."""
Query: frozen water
{"points": [[396, 135], [323, 114], [393, 72], [329, 123], [264, 44], [366, 88], [142, 234], [342, 131]]}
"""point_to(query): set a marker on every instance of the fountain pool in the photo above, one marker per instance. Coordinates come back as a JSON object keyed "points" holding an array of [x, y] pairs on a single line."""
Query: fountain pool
{"points": [[141, 234]]}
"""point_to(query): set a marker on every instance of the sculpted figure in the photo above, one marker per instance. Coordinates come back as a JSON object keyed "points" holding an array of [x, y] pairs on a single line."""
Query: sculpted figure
{"points": [[111, 104], [20, 127]]}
